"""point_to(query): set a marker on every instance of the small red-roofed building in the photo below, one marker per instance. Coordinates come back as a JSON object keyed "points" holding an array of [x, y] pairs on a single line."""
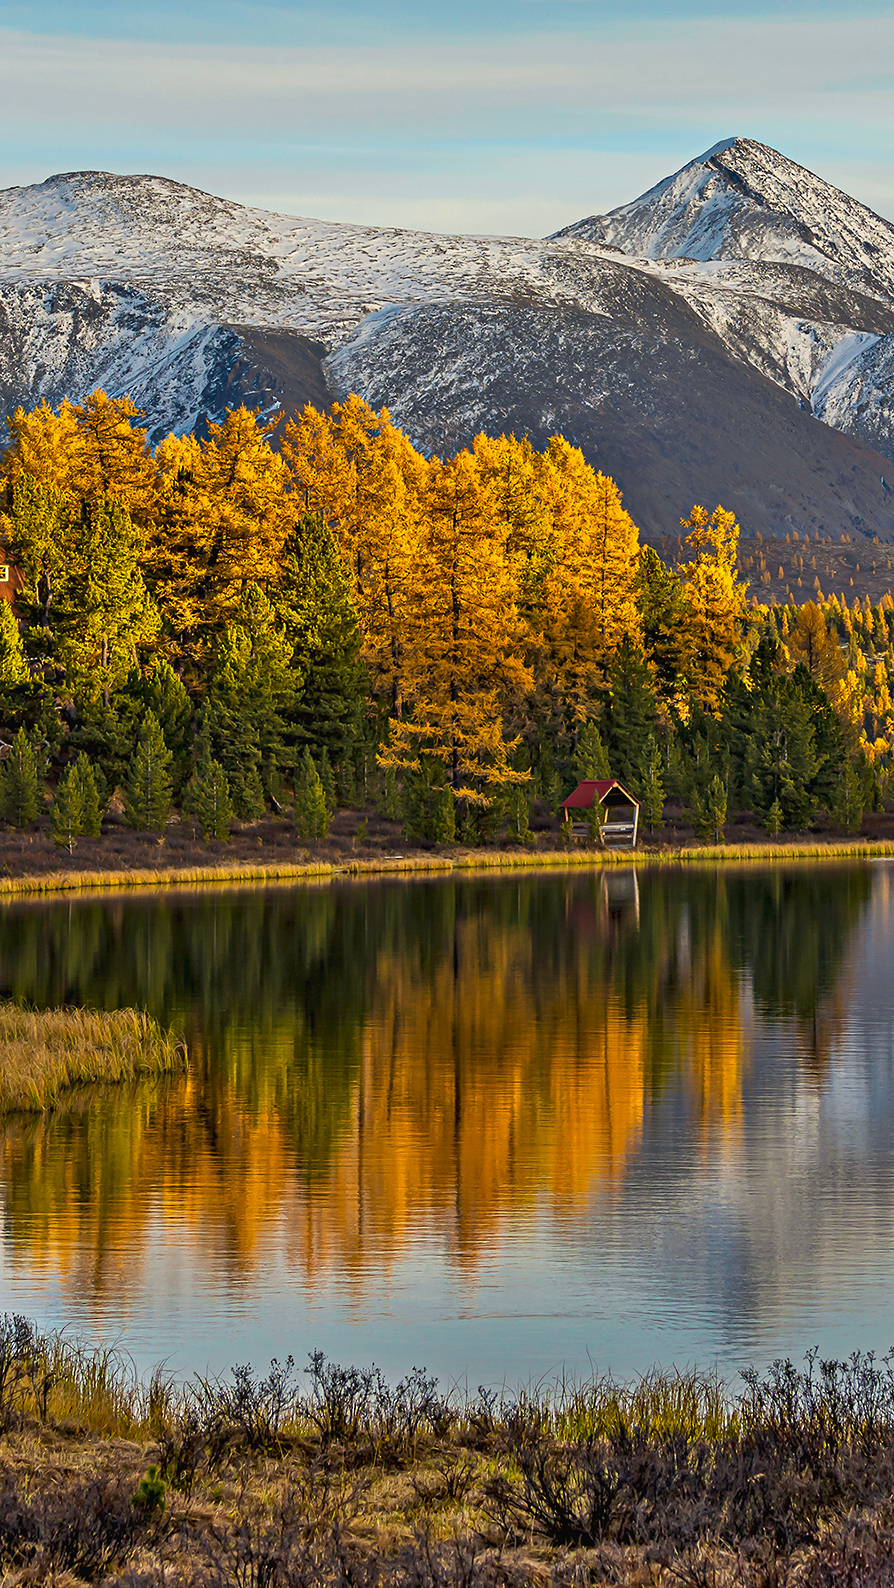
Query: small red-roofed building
{"points": [[618, 811], [12, 580]]}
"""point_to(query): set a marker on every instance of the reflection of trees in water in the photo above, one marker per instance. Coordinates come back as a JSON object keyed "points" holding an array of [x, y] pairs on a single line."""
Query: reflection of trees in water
{"points": [[369, 1059]]}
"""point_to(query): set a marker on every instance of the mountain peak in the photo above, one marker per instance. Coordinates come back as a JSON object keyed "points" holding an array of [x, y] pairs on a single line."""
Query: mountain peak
{"points": [[744, 200]]}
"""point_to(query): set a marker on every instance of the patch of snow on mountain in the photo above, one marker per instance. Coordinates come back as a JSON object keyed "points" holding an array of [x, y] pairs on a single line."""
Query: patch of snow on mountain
{"points": [[223, 262], [747, 201]]}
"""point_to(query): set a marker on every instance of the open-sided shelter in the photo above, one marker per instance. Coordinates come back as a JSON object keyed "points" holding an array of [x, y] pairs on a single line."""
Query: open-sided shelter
{"points": [[619, 811]]}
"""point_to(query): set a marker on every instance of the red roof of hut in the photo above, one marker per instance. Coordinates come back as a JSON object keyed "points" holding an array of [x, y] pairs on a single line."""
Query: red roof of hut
{"points": [[593, 788]]}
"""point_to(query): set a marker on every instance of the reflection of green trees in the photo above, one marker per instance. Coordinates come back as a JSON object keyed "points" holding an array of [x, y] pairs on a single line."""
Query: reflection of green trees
{"points": [[792, 929], [475, 1040]]}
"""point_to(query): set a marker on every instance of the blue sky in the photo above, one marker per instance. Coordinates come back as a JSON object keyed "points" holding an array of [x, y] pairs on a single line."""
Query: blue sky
{"points": [[497, 116]]}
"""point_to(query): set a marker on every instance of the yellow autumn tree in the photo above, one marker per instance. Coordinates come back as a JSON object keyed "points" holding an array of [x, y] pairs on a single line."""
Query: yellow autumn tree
{"points": [[224, 516], [714, 603], [362, 474], [589, 595], [93, 451], [463, 664]]}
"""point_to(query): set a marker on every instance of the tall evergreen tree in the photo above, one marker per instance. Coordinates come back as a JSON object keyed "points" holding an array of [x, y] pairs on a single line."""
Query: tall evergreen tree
{"points": [[311, 809], [630, 714], [252, 689], [149, 788], [591, 756], [207, 798], [160, 691], [21, 789], [67, 811], [315, 605], [87, 793]]}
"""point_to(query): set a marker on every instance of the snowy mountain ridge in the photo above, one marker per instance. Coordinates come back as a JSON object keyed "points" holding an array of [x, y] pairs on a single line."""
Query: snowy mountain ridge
{"points": [[689, 340]]}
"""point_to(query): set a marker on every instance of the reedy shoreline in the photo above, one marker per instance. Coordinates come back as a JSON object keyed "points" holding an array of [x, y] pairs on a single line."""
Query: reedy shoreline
{"points": [[454, 861]]}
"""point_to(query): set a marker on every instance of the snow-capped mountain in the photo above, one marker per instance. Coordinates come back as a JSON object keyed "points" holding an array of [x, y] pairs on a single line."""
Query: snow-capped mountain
{"points": [[689, 341]]}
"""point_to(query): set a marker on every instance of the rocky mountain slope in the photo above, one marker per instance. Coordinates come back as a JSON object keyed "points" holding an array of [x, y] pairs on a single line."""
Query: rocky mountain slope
{"points": [[728, 336]]}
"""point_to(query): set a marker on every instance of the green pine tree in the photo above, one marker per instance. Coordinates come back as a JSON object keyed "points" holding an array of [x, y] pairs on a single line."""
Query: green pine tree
{"points": [[315, 605], [591, 757], [443, 823], [67, 811], [208, 799], [160, 690], [21, 793], [630, 715], [773, 820], [520, 813], [389, 804], [715, 807], [311, 809], [149, 787], [88, 794], [327, 778], [652, 785], [13, 668], [850, 802], [251, 692]]}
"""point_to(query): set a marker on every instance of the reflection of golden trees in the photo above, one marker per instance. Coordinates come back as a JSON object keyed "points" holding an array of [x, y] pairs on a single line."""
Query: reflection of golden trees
{"points": [[712, 1035], [377, 1063]]}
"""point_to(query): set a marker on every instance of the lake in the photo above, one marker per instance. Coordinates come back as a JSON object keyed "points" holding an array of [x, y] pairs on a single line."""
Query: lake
{"points": [[498, 1126]]}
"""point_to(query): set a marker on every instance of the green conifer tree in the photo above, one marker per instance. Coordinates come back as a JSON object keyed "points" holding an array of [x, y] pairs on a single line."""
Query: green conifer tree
{"points": [[208, 799], [311, 809], [591, 756], [84, 779], [773, 820], [13, 668], [388, 803], [327, 778], [715, 807], [21, 793], [316, 607], [66, 811], [443, 823], [630, 715], [850, 801], [149, 788], [520, 813], [651, 786], [160, 690]]}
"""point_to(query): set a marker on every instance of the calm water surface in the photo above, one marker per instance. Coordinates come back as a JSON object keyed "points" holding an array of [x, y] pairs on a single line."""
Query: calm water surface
{"points": [[497, 1127]]}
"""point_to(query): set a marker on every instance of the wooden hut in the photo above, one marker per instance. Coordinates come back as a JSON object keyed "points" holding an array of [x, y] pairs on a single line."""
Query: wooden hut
{"points": [[12, 580], [619, 816]]}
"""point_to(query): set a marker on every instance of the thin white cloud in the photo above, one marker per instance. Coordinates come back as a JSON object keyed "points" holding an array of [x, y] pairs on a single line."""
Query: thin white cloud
{"points": [[825, 83]]}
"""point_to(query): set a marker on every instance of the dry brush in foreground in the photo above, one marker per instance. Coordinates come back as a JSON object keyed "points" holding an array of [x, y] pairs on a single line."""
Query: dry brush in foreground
{"points": [[335, 1477]]}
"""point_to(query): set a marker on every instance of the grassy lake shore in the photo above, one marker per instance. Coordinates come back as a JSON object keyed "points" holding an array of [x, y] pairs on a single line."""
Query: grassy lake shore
{"points": [[331, 1476], [268, 852]]}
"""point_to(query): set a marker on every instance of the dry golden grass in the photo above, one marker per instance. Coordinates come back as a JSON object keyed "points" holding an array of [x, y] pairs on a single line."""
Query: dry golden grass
{"points": [[578, 858], [43, 1053]]}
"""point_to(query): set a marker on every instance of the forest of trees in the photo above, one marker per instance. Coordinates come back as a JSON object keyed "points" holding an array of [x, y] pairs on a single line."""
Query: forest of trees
{"points": [[231, 627]]}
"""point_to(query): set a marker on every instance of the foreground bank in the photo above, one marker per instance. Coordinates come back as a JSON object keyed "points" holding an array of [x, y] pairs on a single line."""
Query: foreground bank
{"points": [[332, 1476]]}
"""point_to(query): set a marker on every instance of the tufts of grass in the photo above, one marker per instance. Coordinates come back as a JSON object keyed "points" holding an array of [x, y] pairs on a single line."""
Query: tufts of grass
{"points": [[43, 1053], [659, 1405]]}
